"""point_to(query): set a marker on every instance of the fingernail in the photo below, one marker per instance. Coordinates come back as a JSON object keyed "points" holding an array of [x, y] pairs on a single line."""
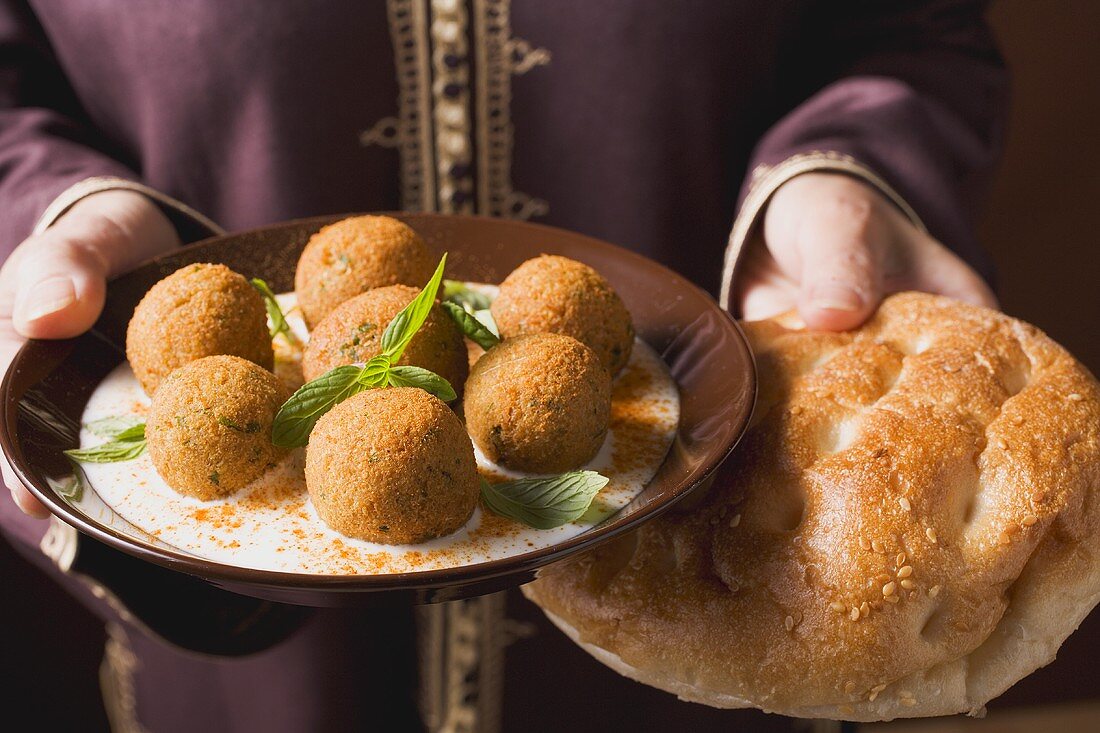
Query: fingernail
{"points": [[837, 298], [48, 296]]}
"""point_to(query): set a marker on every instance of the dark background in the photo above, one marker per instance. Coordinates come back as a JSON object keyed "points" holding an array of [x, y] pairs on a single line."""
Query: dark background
{"points": [[1041, 226]]}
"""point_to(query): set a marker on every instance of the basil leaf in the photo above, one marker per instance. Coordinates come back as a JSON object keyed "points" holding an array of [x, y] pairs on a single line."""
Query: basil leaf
{"points": [[112, 451], [109, 427], [430, 382], [487, 320], [544, 503], [124, 445], [471, 327], [455, 291], [296, 418], [406, 323], [71, 489], [132, 434], [375, 372], [274, 312]]}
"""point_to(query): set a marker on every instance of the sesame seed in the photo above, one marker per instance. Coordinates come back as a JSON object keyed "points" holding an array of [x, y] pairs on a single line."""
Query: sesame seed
{"points": [[1075, 397], [1029, 520], [962, 626], [1005, 538], [908, 702], [1002, 444], [908, 584], [735, 521], [931, 534], [854, 614], [789, 622], [864, 609], [934, 591], [877, 546], [905, 504], [891, 599], [905, 571], [900, 559], [889, 588], [864, 543], [734, 586], [837, 606], [849, 687], [796, 410]]}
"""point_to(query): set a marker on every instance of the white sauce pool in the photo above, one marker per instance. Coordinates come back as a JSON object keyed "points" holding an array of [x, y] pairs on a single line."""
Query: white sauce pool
{"points": [[272, 525]]}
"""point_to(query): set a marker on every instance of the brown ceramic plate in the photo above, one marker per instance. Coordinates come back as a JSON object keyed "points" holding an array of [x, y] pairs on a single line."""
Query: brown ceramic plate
{"points": [[45, 391]]}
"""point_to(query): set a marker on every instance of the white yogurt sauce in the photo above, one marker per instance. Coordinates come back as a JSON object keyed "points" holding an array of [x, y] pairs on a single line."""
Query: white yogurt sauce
{"points": [[272, 525]]}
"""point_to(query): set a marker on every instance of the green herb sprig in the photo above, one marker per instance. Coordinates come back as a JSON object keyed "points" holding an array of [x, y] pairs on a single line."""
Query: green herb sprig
{"points": [[124, 445], [458, 292], [296, 418], [544, 502], [471, 326], [279, 325]]}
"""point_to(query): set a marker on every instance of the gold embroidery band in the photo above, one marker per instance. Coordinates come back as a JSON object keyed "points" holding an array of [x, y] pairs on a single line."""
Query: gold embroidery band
{"points": [[451, 106], [766, 181], [85, 188], [409, 32]]}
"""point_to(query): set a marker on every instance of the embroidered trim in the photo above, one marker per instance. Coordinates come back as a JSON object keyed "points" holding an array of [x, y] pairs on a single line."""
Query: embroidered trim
{"points": [[409, 32], [496, 62], [767, 180], [451, 106], [116, 682], [461, 663], [386, 133], [85, 188]]}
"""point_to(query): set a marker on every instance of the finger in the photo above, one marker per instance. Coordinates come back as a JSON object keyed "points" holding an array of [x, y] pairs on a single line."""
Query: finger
{"points": [[840, 269], [935, 269], [23, 498], [763, 289], [60, 287]]}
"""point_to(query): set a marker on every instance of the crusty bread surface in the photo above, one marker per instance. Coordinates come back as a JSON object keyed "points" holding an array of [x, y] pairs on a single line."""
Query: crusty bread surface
{"points": [[910, 526]]}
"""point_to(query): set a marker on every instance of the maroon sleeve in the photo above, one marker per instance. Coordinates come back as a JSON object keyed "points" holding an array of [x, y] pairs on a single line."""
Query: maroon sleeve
{"points": [[46, 143], [915, 91]]}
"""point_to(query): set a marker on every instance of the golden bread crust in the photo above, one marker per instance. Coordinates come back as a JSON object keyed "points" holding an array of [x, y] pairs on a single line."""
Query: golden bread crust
{"points": [[908, 528]]}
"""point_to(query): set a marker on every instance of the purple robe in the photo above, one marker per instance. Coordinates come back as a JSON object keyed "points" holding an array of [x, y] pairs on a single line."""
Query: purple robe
{"points": [[641, 123]]}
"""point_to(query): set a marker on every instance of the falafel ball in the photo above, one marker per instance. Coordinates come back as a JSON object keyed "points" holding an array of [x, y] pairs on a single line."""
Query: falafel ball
{"points": [[392, 465], [353, 333], [354, 255], [540, 402], [199, 310], [209, 427], [558, 295]]}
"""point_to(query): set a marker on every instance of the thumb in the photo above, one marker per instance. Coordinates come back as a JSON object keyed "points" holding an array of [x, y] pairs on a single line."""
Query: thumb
{"points": [[60, 287], [840, 281]]}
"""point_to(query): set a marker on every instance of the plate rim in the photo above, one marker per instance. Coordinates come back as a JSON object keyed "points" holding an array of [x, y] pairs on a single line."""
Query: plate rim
{"points": [[455, 576]]}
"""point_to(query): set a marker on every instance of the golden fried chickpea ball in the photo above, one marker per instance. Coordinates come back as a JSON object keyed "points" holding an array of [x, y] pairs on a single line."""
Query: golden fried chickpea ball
{"points": [[353, 333], [392, 465], [209, 427], [559, 295], [199, 310], [354, 255], [540, 403]]}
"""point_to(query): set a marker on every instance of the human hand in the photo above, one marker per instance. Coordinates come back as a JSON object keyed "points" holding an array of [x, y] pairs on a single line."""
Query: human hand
{"points": [[833, 247], [53, 285]]}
